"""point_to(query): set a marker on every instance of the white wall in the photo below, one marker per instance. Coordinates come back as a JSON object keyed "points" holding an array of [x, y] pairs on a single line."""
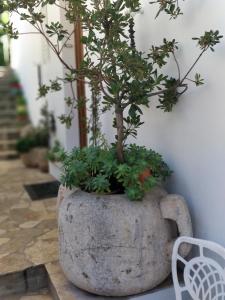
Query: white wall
{"points": [[192, 137], [68, 137], [29, 51], [25, 56]]}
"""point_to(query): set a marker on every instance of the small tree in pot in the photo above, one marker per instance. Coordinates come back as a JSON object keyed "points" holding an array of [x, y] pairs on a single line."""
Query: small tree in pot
{"points": [[111, 246]]}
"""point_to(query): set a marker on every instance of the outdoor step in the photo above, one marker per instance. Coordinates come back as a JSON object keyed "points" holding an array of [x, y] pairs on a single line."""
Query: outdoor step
{"points": [[9, 113], [8, 122], [62, 289], [4, 89], [40, 295], [7, 144], [27, 281], [6, 98], [12, 154], [7, 105], [9, 133]]}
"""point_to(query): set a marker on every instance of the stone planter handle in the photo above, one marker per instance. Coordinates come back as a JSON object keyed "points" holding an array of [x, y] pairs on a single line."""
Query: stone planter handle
{"points": [[174, 207]]}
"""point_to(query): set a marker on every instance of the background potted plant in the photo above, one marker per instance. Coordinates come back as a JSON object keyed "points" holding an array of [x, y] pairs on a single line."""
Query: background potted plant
{"points": [[23, 147], [33, 148], [56, 153], [110, 245], [40, 149], [21, 110]]}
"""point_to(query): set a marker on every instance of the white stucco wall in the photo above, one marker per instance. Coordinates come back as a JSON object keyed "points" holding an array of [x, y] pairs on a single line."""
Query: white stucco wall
{"points": [[192, 137], [25, 57], [29, 51]]}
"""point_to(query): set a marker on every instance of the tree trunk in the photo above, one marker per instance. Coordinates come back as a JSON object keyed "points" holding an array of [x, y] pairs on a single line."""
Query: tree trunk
{"points": [[120, 135]]}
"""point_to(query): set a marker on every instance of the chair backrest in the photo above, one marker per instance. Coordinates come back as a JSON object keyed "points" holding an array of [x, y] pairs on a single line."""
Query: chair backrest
{"points": [[203, 275]]}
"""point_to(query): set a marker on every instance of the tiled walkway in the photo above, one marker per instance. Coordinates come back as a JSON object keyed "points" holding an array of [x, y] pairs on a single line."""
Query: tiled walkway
{"points": [[28, 230], [42, 295]]}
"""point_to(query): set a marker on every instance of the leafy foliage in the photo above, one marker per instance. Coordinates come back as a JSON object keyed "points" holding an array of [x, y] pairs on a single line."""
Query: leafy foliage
{"points": [[209, 40], [171, 7], [94, 169], [25, 144], [37, 137], [121, 78], [56, 153]]}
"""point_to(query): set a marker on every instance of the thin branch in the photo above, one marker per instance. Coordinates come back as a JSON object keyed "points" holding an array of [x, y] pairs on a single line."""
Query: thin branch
{"points": [[192, 67], [177, 64], [22, 33], [54, 48], [103, 90], [68, 38], [71, 113], [185, 89], [40, 29]]}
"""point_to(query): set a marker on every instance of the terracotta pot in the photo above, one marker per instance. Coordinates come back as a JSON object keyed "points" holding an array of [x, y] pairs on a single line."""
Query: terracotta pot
{"points": [[112, 246]]}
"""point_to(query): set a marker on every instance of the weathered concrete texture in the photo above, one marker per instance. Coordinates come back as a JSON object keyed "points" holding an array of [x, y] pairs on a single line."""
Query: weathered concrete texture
{"points": [[115, 247]]}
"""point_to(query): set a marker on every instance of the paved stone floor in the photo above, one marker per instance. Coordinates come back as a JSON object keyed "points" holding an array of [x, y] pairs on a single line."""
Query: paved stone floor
{"points": [[28, 229], [42, 295]]}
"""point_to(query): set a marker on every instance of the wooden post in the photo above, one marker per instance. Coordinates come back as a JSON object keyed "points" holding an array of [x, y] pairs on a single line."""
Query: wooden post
{"points": [[82, 114]]}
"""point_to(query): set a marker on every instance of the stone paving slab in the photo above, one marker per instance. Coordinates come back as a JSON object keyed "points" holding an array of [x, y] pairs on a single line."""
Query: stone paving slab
{"points": [[28, 230], [42, 295]]}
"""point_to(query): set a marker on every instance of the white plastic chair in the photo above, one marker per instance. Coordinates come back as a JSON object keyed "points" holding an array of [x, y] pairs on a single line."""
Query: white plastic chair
{"points": [[203, 274]]}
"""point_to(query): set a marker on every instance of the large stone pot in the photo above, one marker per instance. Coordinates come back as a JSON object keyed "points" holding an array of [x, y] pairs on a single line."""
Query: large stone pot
{"points": [[39, 158], [27, 159], [42, 160], [115, 247]]}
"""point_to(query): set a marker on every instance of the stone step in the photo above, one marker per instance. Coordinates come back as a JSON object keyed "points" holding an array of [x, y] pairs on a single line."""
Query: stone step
{"points": [[7, 144], [7, 98], [40, 295], [12, 154], [7, 105], [32, 280], [9, 133], [8, 122], [8, 114], [62, 289], [4, 89]]}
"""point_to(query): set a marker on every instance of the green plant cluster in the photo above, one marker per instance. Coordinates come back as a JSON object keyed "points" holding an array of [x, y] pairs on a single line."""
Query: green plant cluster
{"points": [[121, 78], [56, 153], [37, 137], [94, 169]]}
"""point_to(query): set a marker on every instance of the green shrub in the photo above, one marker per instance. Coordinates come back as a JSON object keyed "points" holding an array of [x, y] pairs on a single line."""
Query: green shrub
{"points": [[56, 153], [41, 137], [24, 144], [21, 110], [38, 137], [94, 169]]}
